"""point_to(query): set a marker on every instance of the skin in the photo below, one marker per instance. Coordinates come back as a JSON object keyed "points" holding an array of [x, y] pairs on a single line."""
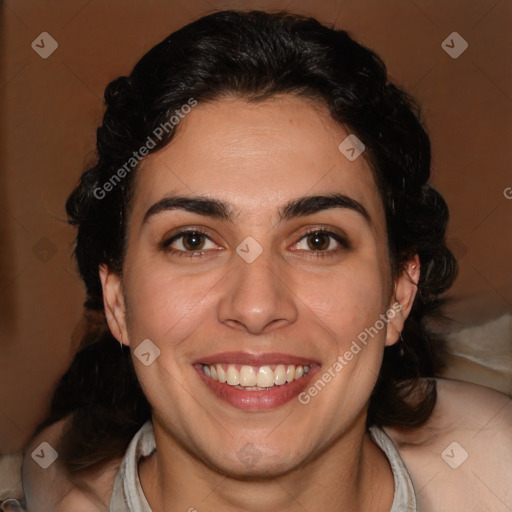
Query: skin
{"points": [[257, 159], [315, 456], [478, 418]]}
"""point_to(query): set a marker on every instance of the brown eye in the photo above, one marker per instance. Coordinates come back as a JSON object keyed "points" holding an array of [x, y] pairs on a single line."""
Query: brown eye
{"points": [[193, 241], [321, 242], [318, 241]]}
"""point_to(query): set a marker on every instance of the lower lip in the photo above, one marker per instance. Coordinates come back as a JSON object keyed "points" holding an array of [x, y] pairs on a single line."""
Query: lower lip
{"points": [[257, 400]]}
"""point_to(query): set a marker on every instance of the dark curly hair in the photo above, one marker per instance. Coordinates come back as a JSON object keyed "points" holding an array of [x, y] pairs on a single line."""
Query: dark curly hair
{"points": [[254, 55]]}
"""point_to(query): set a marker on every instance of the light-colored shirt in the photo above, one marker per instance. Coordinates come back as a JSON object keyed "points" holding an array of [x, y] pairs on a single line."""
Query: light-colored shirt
{"points": [[128, 496]]}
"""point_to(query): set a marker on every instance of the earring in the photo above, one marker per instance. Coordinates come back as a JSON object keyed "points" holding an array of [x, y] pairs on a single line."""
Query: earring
{"points": [[401, 342]]}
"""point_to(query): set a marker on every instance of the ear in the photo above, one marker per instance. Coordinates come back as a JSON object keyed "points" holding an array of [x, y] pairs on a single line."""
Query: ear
{"points": [[404, 292], [115, 307]]}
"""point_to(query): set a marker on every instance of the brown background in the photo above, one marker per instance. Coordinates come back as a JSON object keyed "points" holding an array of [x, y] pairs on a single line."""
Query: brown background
{"points": [[51, 108]]}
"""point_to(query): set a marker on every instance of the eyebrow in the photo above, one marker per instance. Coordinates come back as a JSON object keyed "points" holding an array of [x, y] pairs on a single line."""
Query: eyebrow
{"points": [[217, 209]]}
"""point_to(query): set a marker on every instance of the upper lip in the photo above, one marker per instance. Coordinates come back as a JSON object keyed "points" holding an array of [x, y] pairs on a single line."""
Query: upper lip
{"points": [[254, 359]]}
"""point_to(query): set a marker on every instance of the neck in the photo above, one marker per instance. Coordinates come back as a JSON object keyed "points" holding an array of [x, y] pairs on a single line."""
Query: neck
{"points": [[352, 474]]}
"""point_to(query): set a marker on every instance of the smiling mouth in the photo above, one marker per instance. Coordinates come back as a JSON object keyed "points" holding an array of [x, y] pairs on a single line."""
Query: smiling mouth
{"points": [[254, 378]]}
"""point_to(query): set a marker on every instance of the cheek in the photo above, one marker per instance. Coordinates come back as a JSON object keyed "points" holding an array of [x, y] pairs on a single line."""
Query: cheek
{"points": [[339, 303], [347, 301], [347, 310], [164, 305]]}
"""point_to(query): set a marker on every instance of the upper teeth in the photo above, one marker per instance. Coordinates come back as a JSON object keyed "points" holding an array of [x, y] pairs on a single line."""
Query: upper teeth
{"points": [[255, 377]]}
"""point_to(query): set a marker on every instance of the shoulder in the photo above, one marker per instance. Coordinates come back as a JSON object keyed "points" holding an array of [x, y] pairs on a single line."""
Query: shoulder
{"points": [[461, 458], [52, 489]]}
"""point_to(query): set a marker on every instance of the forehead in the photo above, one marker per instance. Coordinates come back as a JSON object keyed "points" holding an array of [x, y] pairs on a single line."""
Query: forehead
{"points": [[256, 156]]}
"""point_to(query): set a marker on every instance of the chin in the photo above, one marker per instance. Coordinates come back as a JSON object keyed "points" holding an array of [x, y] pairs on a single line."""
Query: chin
{"points": [[251, 463]]}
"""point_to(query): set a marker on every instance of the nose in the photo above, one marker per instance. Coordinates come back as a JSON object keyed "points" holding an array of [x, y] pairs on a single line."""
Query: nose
{"points": [[257, 299]]}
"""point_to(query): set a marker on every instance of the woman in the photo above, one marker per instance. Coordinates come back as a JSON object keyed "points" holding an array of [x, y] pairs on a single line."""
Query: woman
{"points": [[261, 237]]}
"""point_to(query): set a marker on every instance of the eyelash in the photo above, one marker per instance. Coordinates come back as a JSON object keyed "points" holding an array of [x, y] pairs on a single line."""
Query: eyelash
{"points": [[166, 244]]}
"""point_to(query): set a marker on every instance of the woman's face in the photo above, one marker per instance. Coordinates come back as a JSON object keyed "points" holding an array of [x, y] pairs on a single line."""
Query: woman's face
{"points": [[255, 244]]}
